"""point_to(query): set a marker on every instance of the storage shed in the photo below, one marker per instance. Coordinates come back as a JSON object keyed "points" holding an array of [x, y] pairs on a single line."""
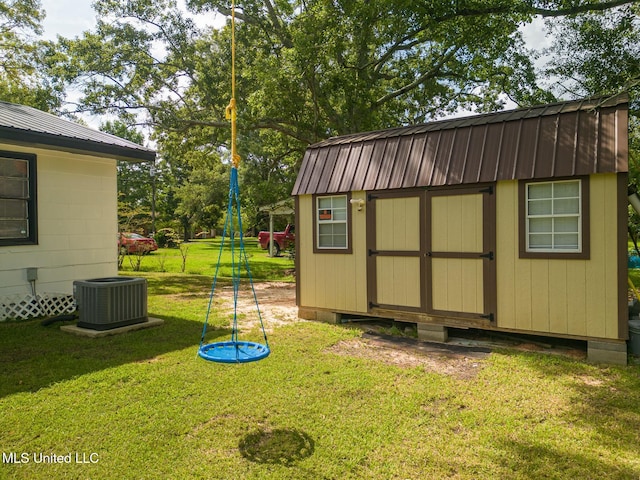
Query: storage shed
{"points": [[514, 221]]}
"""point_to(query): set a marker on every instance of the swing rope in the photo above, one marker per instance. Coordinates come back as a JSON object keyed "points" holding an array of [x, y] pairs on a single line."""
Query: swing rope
{"points": [[234, 351], [231, 111]]}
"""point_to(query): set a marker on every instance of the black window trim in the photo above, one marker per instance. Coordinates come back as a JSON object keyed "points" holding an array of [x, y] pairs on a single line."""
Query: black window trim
{"points": [[32, 210]]}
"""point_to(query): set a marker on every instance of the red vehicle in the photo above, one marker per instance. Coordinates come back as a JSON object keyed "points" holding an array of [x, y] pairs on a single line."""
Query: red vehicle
{"points": [[281, 240], [134, 243]]}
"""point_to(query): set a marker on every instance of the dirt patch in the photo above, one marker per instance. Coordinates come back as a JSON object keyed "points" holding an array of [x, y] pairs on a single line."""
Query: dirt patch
{"points": [[459, 362], [276, 301]]}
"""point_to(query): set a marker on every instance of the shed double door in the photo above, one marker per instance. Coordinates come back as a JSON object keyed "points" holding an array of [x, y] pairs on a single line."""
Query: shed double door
{"points": [[433, 251]]}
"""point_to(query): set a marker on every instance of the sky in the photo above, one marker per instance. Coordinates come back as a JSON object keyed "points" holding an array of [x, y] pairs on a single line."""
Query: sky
{"points": [[70, 18]]}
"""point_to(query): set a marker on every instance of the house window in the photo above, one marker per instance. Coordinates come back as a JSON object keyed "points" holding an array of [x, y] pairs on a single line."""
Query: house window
{"points": [[555, 218], [17, 199], [332, 223]]}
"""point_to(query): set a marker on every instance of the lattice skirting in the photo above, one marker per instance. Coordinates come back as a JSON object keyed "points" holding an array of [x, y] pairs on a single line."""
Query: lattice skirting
{"points": [[26, 306]]}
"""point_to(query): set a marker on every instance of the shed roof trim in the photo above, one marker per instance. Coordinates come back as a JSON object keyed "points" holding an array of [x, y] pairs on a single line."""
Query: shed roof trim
{"points": [[563, 139], [27, 125]]}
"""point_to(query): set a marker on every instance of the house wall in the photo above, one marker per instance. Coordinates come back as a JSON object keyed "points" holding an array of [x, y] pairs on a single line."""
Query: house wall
{"points": [[327, 280], [77, 224], [555, 296]]}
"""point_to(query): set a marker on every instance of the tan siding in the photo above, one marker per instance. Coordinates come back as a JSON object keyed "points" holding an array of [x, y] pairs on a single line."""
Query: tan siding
{"points": [[539, 295], [332, 281], [569, 297], [457, 285], [577, 301], [559, 318], [397, 281], [398, 224], [609, 225], [524, 293], [506, 254], [457, 223]]}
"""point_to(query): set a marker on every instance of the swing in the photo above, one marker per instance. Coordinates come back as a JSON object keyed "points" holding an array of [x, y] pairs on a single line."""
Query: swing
{"points": [[234, 350]]}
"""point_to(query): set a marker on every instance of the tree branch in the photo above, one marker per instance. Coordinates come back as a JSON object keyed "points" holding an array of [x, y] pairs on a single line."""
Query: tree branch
{"points": [[421, 79], [278, 127], [530, 8]]}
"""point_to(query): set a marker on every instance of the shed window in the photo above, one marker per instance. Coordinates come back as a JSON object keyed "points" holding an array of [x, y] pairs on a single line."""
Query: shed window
{"points": [[555, 217], [332, 229], [17, 199]]}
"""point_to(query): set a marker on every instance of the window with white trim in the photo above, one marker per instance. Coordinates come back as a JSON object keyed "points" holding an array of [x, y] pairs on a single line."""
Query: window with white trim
{"points": [[17, 199], [332, 222], [554, 216]]}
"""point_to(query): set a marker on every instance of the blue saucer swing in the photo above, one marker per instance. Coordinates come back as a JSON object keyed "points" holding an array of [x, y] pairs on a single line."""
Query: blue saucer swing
{"points": [[234, 350]]}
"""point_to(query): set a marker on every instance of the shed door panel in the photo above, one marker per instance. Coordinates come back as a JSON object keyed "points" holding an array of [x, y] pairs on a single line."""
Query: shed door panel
{"points": [[456, 222], [394, 285], [461, 250], [398, 224], [458, 285], [396, 250]]}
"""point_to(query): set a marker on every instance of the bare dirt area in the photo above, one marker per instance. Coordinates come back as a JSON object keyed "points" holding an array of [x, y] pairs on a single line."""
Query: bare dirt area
{"points": [[459, 362], [276, 300]]}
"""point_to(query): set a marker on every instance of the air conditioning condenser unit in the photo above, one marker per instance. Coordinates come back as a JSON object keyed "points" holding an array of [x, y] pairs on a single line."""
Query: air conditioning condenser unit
{"points": [[106, 303]]}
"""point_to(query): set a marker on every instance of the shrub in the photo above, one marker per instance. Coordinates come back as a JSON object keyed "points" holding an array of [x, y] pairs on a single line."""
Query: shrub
{"points": [[167, 238]]}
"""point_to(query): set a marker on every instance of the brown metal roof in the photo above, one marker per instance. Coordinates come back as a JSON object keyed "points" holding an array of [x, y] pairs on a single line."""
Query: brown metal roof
{"points": [[563, 139]]}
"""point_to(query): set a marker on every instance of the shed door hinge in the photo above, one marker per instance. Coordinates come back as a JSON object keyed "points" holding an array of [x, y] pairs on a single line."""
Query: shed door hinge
{"points": [[488, 255]]}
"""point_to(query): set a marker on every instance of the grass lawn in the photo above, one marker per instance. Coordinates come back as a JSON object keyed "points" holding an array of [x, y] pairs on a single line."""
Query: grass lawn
{"points": [[143, 406], [202, 258]]}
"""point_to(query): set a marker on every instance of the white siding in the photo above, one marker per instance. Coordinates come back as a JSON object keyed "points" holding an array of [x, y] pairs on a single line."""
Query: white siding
{"points": [[77, 224]]}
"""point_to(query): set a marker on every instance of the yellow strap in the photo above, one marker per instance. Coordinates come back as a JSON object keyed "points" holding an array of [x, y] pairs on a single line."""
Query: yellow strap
{"points": [[230, 111]]}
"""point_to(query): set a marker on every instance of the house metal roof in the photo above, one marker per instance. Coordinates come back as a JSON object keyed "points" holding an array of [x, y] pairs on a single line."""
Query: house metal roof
{"points": [[25, 125], [557, 140]]}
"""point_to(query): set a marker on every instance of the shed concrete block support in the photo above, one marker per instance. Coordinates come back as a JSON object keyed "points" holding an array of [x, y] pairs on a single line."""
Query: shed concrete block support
{"points": [[328, 317], [614, 353], [307, 313], [432, 333]]}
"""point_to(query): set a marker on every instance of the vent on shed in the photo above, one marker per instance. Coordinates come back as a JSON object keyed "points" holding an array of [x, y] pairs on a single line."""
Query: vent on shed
{"points": [[105, 303]]}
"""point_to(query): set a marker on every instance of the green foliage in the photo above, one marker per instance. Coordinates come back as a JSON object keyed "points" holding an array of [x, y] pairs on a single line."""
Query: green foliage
{"points": [[167, 238], [26, 64], [202, 198], [598, 53]]}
